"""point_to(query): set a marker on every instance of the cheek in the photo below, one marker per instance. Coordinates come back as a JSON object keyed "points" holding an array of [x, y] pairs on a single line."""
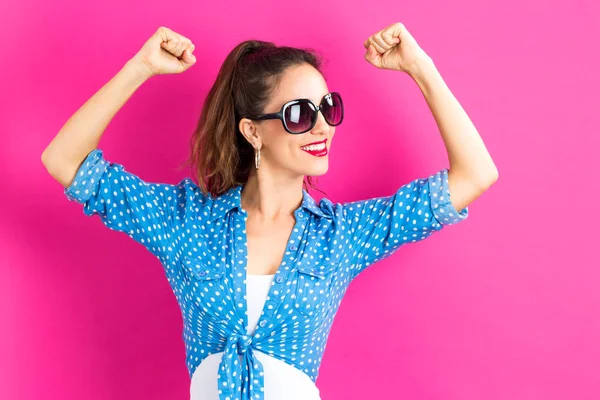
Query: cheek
{"points": [[285, 151]]}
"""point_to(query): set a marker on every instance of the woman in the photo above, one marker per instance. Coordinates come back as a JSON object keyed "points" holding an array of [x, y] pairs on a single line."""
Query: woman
{"points": [[258, 268]]}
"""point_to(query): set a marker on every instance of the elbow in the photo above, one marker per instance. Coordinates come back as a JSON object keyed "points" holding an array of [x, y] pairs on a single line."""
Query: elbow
{"points": [[494, 175], [46, 160], [480, 179], [488, 179], [62, 172]]}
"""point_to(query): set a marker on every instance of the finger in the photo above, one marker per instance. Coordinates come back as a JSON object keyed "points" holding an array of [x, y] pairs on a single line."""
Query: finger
{"points": [[389, 39], [173, 42], [371, 54], [379, 45], [368, 42], [176, 44], [186, 44], [170, 44], [190, 49], [182, 44], [385, 43], [166, 34]]}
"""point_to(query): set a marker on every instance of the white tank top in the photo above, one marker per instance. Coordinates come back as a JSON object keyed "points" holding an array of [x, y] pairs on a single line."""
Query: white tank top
{"points": [[282, 380]]}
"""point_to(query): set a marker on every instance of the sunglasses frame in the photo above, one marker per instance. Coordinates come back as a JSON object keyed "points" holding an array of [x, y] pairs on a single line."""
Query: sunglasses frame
{"points": [[279, 115]]}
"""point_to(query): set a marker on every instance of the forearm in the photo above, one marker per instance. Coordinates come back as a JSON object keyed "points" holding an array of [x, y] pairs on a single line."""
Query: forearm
{"points": [[82, 132], [467, 153]]}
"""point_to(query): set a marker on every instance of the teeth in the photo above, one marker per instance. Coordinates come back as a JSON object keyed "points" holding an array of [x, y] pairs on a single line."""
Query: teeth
{"points": [[314, 147]]}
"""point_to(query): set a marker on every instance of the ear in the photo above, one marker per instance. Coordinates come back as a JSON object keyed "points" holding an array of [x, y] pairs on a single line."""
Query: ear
{"points": [[248, 129]]}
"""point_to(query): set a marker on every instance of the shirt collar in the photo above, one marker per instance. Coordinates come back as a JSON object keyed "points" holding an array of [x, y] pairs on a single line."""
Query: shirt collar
{"points": [[232, 199]]}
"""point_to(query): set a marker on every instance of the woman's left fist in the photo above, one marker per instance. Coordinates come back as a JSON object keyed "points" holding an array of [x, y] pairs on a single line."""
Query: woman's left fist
{"points": [[394, 48]]}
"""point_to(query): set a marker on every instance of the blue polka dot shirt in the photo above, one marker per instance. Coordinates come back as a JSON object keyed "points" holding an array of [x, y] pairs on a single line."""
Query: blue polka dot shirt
{"points": [[200, 241]]}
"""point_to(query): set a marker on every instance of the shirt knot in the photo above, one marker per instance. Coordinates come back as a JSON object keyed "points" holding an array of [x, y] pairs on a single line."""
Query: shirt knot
{"points": [[242, 342], [240, 372]]}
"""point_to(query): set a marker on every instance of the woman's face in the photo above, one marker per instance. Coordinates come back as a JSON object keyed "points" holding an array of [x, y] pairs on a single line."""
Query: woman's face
{"points": [[282, 152]]}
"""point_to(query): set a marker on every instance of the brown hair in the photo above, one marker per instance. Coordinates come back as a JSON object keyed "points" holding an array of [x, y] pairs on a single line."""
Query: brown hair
{"points": [[221, 157]]}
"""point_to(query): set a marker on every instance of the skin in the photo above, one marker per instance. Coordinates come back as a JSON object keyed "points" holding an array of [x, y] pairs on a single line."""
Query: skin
{"points": [[165, 52], [274, 191]]}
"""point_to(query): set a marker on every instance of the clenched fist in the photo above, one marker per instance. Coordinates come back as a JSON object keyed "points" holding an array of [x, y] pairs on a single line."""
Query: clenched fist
{"points": [[166, 52], [394, 48]]}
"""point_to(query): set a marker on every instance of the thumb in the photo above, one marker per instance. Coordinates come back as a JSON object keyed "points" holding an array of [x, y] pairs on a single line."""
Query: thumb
{"points": [[188, 58]]}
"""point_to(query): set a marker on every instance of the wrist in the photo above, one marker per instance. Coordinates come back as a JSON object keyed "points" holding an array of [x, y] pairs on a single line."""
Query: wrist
{"points": [[137, 70], [424, 73]]}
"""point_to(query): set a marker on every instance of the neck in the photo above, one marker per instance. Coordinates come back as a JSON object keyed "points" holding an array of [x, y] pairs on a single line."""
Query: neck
{"points": [[271, 198]]}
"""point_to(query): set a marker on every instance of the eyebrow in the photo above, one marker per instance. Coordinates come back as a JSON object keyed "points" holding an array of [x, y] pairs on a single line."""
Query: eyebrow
{"points": [[316, 102]]}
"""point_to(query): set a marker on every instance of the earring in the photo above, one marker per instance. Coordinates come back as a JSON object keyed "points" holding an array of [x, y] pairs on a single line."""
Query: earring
{"points": [[257, 158]]}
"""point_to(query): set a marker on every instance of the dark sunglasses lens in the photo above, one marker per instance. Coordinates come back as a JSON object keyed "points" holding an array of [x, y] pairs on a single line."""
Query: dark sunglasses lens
{"points": [[332, 108], [299, 117]]}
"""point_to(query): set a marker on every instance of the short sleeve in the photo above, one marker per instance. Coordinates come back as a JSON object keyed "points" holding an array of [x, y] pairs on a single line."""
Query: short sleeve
{"points": [[377, 227], [124, 202]]}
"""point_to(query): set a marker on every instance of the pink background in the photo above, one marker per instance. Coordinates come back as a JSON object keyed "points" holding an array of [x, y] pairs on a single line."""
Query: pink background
{"points": [[504, 305]]}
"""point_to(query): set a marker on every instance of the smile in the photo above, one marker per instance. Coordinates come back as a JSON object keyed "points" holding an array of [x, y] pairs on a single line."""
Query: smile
{"points": [[319, 149]]}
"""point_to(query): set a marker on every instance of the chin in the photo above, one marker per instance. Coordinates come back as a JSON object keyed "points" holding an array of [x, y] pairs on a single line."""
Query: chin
{"points": [[316, 171]]}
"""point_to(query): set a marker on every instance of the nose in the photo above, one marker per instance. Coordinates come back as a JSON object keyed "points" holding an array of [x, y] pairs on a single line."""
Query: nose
{"points": [[321, 125]]}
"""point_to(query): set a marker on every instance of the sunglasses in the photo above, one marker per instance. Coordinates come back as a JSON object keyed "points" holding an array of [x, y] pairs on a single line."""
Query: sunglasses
{"points": [[300, 115]]}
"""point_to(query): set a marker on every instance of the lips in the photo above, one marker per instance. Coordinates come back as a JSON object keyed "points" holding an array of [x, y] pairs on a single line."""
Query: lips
{"points": [[316, 143], [318, 153]]}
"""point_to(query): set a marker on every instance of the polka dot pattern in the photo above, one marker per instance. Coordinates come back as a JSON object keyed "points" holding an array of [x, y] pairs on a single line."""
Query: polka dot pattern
{"points": [[201, 243]]}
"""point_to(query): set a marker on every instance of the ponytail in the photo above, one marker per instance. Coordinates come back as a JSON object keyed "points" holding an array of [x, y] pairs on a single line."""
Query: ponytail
{"points": [[220, 156]]}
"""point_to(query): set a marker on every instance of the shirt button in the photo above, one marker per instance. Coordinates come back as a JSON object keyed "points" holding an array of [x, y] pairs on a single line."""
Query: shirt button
{"points": [[202, 273], [293, 247], [300, 214], [279, 279], [263, 323]]}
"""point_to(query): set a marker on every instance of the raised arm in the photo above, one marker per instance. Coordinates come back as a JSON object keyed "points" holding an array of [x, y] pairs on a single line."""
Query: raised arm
{"points": [[82, 132], [124, 202], [165, 52]]}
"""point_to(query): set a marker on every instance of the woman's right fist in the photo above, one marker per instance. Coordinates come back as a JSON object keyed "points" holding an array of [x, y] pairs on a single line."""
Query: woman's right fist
{"points": [[166, 52]]}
